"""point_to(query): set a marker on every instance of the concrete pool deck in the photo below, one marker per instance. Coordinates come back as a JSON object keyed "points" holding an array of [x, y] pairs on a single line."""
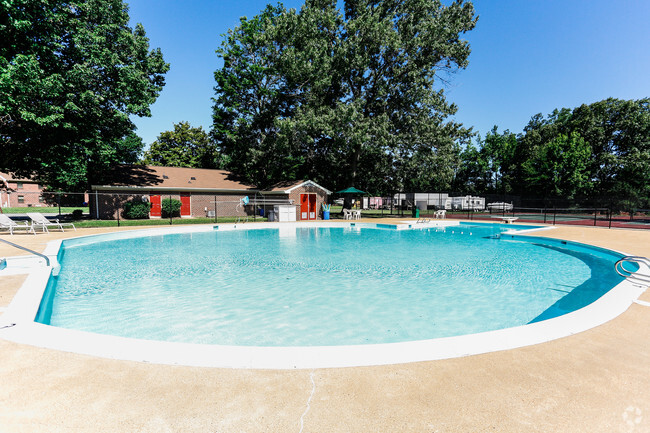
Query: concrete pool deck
{"points": [[595, 381]]}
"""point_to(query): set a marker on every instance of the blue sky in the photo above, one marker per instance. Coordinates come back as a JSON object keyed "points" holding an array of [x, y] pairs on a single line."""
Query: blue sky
{"points": [[527, 57]]}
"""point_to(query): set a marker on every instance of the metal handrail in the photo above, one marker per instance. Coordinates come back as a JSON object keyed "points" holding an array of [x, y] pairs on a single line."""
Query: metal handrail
{"points": [[47, 260], [620, 269]]}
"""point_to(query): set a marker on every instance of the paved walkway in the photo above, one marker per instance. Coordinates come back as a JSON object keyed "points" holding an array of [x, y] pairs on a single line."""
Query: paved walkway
{"points": [[595, 381]]}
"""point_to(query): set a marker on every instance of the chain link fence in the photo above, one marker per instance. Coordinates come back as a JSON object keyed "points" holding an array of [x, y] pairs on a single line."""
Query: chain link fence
{"points": [[123, 209], [495, 208], [105, 209]]}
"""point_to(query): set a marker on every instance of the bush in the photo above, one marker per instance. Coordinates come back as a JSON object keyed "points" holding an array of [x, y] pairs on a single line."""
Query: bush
{"points": [[77, 214], [136, 210], [170, 207]]}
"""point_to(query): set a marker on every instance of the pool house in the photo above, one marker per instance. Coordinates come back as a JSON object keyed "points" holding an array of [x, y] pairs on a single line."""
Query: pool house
{"points": [[204, 193]]}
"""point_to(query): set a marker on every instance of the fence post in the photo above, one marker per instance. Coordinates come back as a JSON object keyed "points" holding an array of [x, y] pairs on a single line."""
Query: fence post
{"points": [[118, 215], [215, 208], [544, 215], [554, 213], [595, 214], [170, 213], [59, 200], [609, 211]]}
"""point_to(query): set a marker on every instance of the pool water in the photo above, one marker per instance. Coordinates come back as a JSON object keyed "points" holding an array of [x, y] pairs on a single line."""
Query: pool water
{"points": [[319, 286]]}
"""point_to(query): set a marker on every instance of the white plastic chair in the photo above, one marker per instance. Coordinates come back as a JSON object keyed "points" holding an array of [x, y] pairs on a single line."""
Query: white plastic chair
{"points": [[11, 225], [39, 220]]}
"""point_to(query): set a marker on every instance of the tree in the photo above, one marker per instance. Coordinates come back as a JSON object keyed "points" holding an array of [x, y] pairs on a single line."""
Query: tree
{"points": [[329, 92], [617, 133], [71, 74], [559, 168], [183, 147]]}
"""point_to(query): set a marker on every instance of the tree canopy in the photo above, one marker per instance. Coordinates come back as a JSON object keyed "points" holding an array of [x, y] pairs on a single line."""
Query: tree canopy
{"points": [[183, 147], [344, 98], [71, 74], [597, 154]]}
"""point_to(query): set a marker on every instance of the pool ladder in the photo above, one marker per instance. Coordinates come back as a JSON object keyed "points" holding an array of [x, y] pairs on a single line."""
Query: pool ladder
{"points": [[640, 276]]}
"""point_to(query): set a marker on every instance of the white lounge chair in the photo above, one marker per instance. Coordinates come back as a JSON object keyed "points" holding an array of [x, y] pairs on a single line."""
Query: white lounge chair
{"points": [[39, 220], [7, 223]]}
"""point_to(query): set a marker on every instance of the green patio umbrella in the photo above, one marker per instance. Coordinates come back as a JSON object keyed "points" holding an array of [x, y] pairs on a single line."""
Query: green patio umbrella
{"points": [[351, 190]]}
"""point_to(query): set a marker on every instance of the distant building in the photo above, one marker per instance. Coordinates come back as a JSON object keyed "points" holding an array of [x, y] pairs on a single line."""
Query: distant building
{"points": [[202, 193], [20, 192]]}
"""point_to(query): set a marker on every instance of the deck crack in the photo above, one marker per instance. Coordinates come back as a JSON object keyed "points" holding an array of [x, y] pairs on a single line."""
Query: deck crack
{"points": [[313, 389]]}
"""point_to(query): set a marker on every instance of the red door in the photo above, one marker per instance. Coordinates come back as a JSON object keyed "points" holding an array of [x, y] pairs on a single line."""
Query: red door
{"points": [[155, 206], [312, 206], [186, 210], [304, 206], [307, 206]]}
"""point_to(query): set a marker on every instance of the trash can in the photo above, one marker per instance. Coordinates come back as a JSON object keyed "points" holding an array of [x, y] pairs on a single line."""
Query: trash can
{"points": [[326, 214], [416, 212], [271, 216], [261, 211]]}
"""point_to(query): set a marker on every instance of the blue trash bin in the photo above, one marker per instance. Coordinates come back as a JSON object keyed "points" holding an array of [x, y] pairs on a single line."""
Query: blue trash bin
{"points": [[326, 214], [262, 212]]}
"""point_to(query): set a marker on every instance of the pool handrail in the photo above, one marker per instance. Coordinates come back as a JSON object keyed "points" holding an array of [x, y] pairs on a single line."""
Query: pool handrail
{"points": [[47, 259], [633, 275]]}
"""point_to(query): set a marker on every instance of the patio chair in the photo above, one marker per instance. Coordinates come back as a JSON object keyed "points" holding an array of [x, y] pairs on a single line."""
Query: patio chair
{"points": [[7, 223], [39, 220]]}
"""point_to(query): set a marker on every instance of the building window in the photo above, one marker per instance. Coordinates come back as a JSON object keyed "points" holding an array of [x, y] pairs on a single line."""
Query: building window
{"points": [[19, 185], [21, 199]]}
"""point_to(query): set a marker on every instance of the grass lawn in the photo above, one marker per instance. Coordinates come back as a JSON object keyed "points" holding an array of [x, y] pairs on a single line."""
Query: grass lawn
{"points": [[42, 209]]}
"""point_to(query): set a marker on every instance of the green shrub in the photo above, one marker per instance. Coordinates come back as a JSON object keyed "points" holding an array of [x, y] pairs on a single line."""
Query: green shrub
{"points": [[77, 214], [136, 210], [170, 207]]}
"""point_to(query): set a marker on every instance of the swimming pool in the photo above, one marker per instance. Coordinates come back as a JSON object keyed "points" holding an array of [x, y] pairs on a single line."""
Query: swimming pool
{"points": [[284, 296], [319, 286]]}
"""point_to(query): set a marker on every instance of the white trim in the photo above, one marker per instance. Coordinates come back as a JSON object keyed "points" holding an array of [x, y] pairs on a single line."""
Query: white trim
{"points": [[17, 324], [307, 182]]}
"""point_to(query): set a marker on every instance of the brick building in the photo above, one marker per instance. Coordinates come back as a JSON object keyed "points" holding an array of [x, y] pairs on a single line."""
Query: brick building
{"points": [[19, 192], [202, 193]]}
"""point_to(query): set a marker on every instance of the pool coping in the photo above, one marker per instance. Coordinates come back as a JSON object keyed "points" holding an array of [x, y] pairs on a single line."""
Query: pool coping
{"points": [[17, 325]]}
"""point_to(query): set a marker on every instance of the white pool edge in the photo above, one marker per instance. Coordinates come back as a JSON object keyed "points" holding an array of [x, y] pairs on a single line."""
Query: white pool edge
{"points": [[17, 325]]}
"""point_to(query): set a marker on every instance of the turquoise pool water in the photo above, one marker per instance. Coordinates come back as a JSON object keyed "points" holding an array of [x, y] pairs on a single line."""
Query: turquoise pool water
{"points": [[320, 286]]}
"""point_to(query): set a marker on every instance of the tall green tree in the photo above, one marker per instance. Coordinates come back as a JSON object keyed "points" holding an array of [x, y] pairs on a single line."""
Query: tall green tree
{"points": [[617, 133], [71, 75], [185, 146], [349, 98], [558, 169]]}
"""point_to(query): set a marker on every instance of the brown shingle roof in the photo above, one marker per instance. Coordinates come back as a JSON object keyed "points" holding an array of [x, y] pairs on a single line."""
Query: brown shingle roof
{"points": [[153, 177]]}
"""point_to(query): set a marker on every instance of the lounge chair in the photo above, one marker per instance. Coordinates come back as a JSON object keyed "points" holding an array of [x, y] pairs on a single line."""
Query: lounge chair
{"points": [[7, 223], [39, 220]]}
